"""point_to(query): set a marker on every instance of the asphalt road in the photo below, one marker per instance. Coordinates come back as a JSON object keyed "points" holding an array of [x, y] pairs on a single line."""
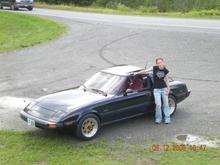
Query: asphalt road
{"points": [[190, 47]]}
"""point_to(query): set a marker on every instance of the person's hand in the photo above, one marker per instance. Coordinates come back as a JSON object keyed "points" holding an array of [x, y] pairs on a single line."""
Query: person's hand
{"points": [[167, 91], [134, 73]]}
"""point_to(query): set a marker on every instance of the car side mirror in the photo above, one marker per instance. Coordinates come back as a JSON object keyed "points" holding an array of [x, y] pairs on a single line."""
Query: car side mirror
{"points": [[128, 91]]}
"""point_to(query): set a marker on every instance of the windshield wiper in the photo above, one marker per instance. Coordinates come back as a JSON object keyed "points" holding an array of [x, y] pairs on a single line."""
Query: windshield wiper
{"points": [[99, 91]]}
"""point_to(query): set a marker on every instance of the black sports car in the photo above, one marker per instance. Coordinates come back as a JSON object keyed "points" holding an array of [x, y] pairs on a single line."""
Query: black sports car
{"points": [[110, 95]]}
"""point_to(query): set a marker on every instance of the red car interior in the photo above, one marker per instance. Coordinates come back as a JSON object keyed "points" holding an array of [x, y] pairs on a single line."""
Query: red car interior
{"points": [[137, 84]]}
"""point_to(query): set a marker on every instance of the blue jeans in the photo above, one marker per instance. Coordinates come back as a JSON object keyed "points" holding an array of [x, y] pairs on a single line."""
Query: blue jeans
{"points": [[158, 94]]}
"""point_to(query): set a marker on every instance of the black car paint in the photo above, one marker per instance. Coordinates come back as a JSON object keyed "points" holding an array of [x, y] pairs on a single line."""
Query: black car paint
{"points": [[179, 90], [135, 104], [124, 106], [111, 109]]}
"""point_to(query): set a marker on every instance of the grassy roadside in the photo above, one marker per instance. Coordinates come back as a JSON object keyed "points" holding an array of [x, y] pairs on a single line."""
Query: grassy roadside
{"points": [[33, 148], [20, 31], [123, 10]]}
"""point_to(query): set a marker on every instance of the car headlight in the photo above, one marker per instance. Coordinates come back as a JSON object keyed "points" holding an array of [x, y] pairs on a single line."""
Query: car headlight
{"points": [[58, 115]]}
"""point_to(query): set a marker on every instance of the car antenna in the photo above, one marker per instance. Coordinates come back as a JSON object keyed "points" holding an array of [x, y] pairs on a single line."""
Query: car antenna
{"points": [[145, 66]]}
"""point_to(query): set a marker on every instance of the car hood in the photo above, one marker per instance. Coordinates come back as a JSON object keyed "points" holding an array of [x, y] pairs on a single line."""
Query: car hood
{"points": [[68, 100]]}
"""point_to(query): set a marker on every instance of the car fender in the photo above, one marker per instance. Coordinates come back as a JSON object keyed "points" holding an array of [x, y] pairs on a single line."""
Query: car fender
{"points": [[88, 112]]}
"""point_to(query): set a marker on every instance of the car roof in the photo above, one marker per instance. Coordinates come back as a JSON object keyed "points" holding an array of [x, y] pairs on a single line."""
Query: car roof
{"points": [[122, 70]]}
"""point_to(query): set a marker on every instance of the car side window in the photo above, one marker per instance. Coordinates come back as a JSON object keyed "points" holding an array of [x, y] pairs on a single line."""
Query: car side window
{"points": [[139, 83], [147, 81]]}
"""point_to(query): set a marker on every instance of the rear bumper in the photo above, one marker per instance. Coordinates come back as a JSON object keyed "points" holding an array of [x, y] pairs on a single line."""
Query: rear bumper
{"points": [[24, 5], [39, 122], [183, 96], [188, 93]]}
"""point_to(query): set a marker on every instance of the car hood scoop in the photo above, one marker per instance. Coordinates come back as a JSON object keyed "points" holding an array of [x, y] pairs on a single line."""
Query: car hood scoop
{"points": [[68, 100]]}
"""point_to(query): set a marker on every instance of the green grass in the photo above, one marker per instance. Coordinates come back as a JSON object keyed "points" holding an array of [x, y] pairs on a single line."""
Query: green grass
{"points": [[142, 11], [32, 148], [21, 31], [207, 157], [53, 148]]}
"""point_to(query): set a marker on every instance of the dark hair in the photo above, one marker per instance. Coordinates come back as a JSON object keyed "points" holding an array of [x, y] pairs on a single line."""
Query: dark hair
{"points": [[157, 59]]}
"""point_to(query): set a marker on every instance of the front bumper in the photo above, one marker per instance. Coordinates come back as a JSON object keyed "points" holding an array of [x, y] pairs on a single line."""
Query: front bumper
{"points": [[39, 122]]}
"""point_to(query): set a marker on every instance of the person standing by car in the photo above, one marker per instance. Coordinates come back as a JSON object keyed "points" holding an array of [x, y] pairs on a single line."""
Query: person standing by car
{"points": [[161, 90]]}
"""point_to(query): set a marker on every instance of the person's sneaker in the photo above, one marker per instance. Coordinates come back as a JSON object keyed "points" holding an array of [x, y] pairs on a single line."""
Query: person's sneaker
{"points": [[157, 122], [167, 122]]}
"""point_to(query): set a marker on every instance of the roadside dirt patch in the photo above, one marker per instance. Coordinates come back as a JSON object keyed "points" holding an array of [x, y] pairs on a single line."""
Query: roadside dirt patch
{"points": [[9, 113]]}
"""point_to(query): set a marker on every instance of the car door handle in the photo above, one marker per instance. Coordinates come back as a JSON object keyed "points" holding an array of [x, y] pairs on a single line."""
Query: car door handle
{"points": [[105, 110]]}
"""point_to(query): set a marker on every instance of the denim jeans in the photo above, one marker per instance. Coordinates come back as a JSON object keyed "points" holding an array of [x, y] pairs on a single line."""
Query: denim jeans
{"points": [[158, 94]]}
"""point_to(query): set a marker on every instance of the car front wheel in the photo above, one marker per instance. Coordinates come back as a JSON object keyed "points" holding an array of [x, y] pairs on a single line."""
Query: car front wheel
{"points": [[88, 127], [172, 104], [30, 8]]}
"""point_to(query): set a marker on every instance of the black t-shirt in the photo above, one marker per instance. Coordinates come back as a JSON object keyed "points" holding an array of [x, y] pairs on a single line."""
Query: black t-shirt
{"points": [[158, 77]]}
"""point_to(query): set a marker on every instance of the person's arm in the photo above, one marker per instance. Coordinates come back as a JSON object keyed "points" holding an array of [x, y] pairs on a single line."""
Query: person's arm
{"points": [[144, 71], [168, 85]]}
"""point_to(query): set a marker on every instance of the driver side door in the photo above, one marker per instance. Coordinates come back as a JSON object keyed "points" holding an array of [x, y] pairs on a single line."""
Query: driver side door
{"points": [[126, 106]]}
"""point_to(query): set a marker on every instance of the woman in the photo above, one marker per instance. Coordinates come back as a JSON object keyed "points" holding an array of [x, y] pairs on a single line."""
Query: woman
{"points": [[161, 89]]}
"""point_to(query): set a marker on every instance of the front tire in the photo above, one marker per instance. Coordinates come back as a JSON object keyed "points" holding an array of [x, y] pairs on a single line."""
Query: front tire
{"points": [[172, 104], [30, 8], [88, 127]]}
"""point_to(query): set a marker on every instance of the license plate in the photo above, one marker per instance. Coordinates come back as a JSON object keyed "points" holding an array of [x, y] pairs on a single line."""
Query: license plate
{"points": [[31, 122]]}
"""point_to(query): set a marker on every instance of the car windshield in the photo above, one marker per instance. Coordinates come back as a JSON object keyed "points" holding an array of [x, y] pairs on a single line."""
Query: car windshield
{"points": [[105, 82]]}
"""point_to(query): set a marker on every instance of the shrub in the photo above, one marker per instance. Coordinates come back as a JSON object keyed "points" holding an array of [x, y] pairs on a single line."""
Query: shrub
{"points": [[152, 9], [122, 7], [211, 12], [112, 5], [207, 7]]}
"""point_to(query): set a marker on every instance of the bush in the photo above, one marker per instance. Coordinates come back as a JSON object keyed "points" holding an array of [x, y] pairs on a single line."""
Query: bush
{"points": [[102, 3], [122, 7], [152, 9], [112, 5], [149, 5], [211, 12]]}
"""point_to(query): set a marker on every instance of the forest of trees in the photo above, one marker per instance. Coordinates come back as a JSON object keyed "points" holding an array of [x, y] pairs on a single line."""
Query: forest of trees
{"points": [[157, 5]]}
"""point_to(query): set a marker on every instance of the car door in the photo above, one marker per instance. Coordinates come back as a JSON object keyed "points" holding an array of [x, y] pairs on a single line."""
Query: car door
{"points": [[125, 106]]}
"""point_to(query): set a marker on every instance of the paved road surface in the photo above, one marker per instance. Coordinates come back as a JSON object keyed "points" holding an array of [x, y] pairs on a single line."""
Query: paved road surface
{"points": [[95, 41]]}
